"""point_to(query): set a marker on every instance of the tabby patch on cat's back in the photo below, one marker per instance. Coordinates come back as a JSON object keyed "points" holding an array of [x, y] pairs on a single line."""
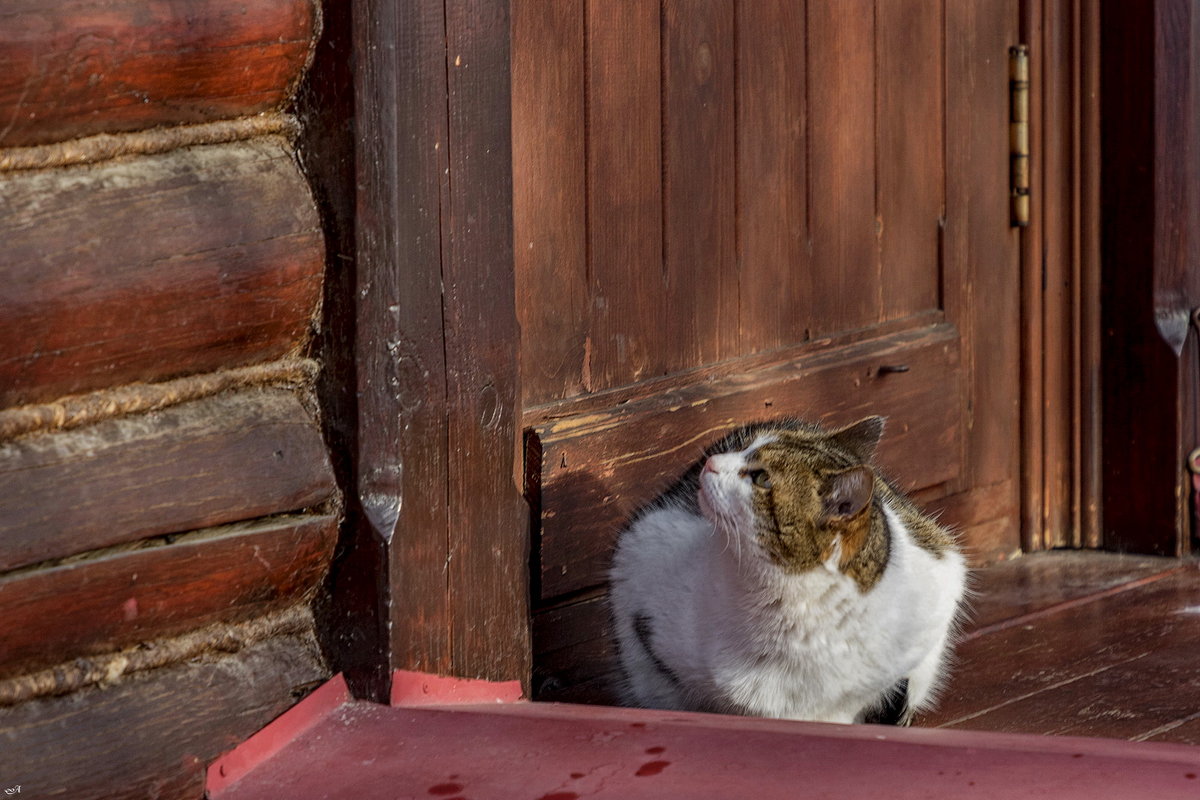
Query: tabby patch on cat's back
{"points": [[783, 576]]}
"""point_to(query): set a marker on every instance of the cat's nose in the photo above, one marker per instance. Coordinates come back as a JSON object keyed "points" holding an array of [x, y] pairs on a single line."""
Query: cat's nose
{"points": [[711, 465]]}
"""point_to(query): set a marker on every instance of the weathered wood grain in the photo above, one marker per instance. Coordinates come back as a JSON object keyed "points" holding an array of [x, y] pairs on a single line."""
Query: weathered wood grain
{"points": [[98, 604], [776, 287], [224, 459], [624, 183], [699, 167], [154, 267], [153, 734], [598, 468], [1121, 664], [981, 271], [549, 197], [78, 67], [487, 562], [910, 197], [841, 140], [1011, 593], [389, 605]]}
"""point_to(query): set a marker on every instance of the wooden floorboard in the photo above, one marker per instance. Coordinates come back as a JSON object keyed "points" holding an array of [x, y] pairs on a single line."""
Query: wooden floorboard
{"points": [[1083, 644], [1043, 582]]}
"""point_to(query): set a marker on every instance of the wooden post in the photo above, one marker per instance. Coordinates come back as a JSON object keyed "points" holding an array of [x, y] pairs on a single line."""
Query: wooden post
{"points": [[433, 570]]}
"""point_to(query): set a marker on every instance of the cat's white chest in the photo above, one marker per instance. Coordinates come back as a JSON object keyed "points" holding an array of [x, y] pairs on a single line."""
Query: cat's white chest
{"points": [[811, 655]]}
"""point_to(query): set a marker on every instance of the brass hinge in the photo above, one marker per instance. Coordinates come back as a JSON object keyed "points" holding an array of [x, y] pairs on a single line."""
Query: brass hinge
{"points": [[1018, 132]]}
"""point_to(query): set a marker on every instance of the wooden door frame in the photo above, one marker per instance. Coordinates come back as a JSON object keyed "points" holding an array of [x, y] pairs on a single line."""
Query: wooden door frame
{"points": [[1061, 393], [1109, 363]]}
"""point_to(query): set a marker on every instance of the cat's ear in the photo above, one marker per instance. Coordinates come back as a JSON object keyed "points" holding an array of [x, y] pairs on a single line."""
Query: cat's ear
{"points": [[860, 438], [849, 492]]}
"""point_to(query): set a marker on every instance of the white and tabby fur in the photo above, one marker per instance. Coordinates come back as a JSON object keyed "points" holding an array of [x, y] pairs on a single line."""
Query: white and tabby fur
{"points": [[730, 631]]}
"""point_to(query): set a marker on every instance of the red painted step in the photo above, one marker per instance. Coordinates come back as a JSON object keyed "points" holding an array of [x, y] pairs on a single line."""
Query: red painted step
{"points": [[478, 745]]}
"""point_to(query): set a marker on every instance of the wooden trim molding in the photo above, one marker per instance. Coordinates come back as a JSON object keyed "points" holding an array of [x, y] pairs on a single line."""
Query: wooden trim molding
{"points": [[1061, 279]]}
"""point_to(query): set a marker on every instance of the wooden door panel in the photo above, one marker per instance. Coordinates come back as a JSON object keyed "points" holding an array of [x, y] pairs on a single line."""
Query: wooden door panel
{"points": [[591, 470], [729, 210], [909, 154]]}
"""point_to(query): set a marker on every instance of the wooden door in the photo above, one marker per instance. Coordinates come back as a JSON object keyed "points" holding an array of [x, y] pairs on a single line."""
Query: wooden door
{"points": [[729, 211]]}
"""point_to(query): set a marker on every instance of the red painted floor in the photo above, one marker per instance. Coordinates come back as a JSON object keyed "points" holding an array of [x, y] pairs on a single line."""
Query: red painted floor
{"points": [[333, 747]]}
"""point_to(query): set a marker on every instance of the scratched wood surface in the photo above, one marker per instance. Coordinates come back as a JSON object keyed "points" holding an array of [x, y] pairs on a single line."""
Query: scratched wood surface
{"points": [[199, 464], [78, 67], [153, 734], [1107, 652], [488, 535], [434, 566], [118, 598], [152, 267]]}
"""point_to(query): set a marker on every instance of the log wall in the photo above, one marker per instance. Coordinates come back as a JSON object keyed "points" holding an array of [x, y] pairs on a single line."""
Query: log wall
{"points": [[167, 504]]}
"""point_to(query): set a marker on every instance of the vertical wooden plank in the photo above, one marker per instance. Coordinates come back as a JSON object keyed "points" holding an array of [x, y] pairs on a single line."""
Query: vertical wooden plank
{"points": [[1054, 178], [549, 215], [772, 176], [981, 251], [1033, 352], [698, 182], [842, 169], [487, 561], [627, 281], [909, 152], [389, 606], [1090, 460]]}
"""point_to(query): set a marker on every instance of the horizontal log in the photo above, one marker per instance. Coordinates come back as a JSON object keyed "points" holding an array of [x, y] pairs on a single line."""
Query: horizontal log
{"points": [[153, 267], [595, 469], [153, 734], [76, 67], [209, 462], [95, 605]]}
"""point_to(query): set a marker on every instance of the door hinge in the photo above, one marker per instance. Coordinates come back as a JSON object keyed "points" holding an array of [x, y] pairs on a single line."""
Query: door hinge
{"points": [[1018, 133]]}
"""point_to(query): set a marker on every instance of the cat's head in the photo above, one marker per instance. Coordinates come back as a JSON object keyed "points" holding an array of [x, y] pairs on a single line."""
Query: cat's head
{"points": [[799, 495]]}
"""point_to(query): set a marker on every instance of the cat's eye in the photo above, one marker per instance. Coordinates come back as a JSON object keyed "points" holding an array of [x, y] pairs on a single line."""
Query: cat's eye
{"points": [[760, 478]]}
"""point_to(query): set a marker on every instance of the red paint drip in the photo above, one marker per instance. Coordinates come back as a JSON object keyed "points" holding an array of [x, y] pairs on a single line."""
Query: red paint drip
{"points": [[653, 751], [445, 788], [560, 796], [576, 775], [651, 768], [637, 724], [1191, 776]]}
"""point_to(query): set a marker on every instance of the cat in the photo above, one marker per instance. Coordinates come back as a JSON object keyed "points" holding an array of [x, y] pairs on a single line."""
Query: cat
{"points": [[783, 577]]}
